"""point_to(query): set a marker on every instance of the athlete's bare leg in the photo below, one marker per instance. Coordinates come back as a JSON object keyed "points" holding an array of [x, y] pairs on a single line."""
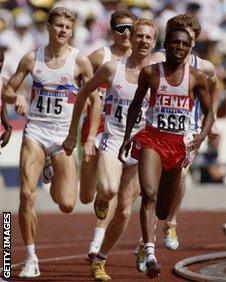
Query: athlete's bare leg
{"points": [[171, 239], [179, 192], [88, 179], [65, 181], [34, 224], [111, 211], [32, 159], [150, 169], [101, 224], [179, 195], [99, 230], [109, 175], [167, 190], [128, 192]]}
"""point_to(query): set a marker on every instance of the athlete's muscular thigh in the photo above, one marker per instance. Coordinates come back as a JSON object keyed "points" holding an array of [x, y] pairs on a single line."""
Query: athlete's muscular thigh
{"points": [[32, 159], [65, 176], [109, 173]]}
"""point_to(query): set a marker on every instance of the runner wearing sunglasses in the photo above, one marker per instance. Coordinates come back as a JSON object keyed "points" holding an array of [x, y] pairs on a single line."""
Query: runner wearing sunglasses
{"points": [[121, 24], [121, 28], [122, 78]]}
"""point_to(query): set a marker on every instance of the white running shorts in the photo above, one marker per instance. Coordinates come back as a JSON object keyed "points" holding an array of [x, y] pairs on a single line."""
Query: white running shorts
{"points": [[50, 136], [112, 143]]}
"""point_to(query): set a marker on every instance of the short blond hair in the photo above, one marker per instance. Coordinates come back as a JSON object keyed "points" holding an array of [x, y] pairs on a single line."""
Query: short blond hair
{"points": [[145, 21], [61, 12]]}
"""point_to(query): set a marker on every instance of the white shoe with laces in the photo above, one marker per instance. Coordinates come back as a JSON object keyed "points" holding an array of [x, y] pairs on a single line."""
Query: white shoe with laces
{"points": [[31, 268], [140, 255], [171, 240]]}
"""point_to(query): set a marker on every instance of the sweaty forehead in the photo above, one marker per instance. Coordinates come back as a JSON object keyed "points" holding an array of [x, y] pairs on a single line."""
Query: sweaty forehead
{"points": [[144, 29], [180, 34], [62, 19]]}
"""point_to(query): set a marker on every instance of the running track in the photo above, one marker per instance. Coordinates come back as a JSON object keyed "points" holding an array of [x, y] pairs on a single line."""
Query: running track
{"points": [[62, 241]]}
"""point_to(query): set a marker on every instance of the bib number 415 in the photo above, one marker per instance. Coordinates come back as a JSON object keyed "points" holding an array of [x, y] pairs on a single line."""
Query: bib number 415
{"points": [[57, 106]]}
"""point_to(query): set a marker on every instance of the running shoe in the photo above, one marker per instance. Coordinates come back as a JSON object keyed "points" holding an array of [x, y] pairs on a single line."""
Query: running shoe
{"points": [[47, 172], [141, 257], [98, 271], [171, 239], [30, 269], [101, 209], [153, 269]]}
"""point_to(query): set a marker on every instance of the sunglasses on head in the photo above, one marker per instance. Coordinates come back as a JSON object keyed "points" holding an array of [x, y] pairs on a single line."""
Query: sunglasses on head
{"points": [[121, 28]]}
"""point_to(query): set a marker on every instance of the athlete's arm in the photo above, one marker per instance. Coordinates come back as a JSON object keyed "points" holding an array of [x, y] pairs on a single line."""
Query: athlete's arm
{"points": [[209, 69], [206, 107], [134, 108], [100, 77], [95, 101], [96, 58], [213, 84], [25, 66]]}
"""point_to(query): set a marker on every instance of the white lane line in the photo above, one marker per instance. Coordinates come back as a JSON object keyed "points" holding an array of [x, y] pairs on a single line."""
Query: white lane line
{"points": [[46, 246], [53, 259]]}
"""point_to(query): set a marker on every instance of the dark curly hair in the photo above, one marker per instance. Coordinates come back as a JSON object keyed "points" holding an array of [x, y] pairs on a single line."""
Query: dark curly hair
{"points": [[184, 20]]}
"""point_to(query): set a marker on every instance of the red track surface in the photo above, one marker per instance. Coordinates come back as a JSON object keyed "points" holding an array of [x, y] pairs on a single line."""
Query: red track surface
{"points": [[60, 236]]}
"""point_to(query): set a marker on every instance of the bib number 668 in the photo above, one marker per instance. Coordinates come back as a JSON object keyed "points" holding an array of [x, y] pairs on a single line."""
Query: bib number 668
{"points": [[171, 122]]}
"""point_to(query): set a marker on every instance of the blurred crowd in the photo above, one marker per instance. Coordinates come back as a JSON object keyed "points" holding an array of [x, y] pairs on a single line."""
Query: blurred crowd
{"points": [[22, 25], [23, 28]]}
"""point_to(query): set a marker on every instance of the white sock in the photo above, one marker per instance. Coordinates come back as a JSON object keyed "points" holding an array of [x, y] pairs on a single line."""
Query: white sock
{"points": [[30, 251], [98, 237], [150, 251]]}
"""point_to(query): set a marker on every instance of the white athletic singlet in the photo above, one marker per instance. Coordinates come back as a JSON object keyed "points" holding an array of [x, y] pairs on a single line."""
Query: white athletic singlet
{"points": [[170, 107], [117, 102], [53, 90]]}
